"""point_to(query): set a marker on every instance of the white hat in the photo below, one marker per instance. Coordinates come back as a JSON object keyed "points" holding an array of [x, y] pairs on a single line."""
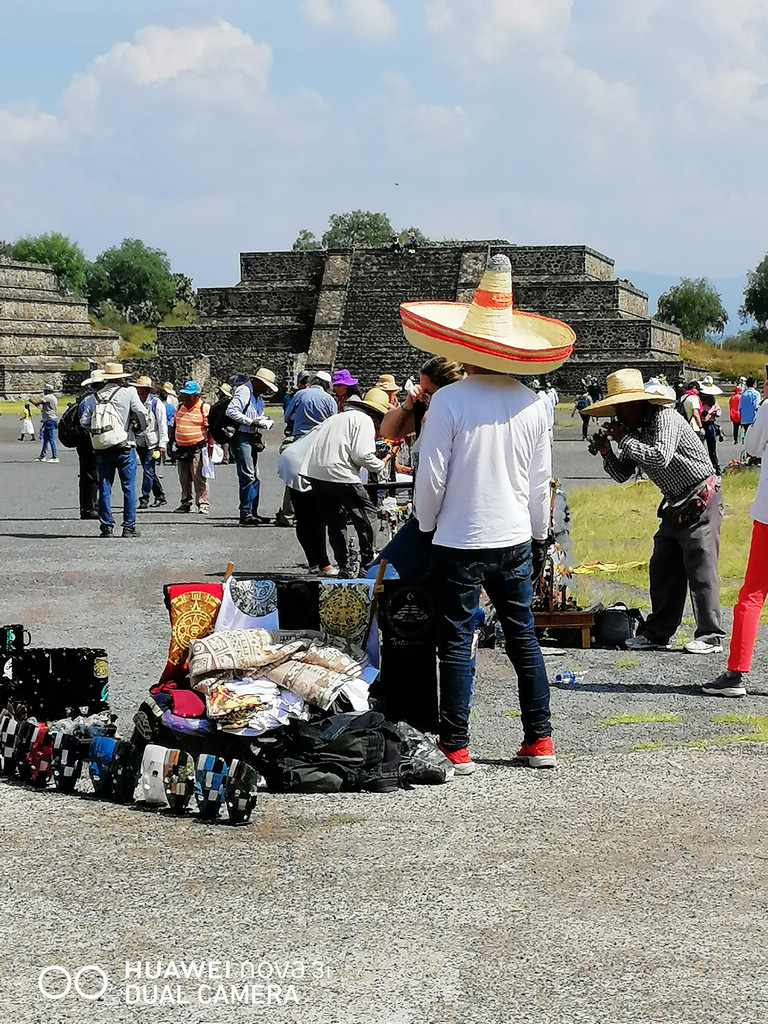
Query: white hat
{"points": [[266, 377], [322, 375], [97, 377], [707, 386]]}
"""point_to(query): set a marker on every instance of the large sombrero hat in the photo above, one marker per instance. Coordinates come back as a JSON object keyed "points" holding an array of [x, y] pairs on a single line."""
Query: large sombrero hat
{"points": [[627, 386], [488, 332]]}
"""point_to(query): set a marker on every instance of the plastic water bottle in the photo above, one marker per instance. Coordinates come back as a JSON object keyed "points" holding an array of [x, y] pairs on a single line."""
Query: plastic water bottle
{"points": [[567, 678]]}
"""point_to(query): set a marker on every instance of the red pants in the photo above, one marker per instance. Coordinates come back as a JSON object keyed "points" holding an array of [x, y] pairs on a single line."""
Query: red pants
{"points": [[746, 614]]}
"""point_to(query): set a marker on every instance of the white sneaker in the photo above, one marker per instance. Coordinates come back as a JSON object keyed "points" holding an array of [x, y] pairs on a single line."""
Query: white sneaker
{"points": [[329, 570], [39, 458], [53, 460], [703, 647]]}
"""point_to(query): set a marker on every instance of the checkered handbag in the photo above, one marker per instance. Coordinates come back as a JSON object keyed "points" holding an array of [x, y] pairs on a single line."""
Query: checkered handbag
{"points": [[40, 755], [178, 779], [66, 761], [240, 792], [100, 754]]}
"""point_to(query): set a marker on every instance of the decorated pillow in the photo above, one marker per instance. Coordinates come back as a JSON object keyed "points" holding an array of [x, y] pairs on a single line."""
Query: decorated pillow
{"points": [[193, 608], [248, 604]]}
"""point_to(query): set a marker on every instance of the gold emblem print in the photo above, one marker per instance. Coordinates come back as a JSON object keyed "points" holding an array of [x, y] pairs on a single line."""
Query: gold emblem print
{"points": [[193, 615]]}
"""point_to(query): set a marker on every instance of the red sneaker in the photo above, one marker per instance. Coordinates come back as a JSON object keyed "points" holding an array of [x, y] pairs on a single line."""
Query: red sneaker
{"points": [[539, 754], [460, 759]]}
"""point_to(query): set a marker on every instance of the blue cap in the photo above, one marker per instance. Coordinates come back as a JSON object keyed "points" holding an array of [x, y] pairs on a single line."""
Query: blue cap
{"points": [[190, 388]]}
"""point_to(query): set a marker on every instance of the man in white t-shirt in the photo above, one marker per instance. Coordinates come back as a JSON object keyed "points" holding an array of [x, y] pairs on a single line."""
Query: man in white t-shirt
{"points": [[483, 487]]}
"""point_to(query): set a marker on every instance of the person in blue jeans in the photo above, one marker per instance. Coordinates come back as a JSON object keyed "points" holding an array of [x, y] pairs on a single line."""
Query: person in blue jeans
{"points": [[483, 488], [49, 418], [247, 410]]}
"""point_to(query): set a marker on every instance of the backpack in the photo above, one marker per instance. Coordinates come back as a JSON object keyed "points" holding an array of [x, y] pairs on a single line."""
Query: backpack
{"points": [[347, 751], [107, 424], [70, 432], [221, 428]]}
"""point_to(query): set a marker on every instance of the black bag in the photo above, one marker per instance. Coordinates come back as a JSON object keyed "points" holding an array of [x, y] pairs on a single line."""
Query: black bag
{"points": [[70, 433], [616, 624], [221, 428], [53, 680], [351, 751]]}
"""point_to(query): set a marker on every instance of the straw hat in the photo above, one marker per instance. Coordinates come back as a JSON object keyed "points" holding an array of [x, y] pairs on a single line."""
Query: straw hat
{"points": [[226, 390], [114, 371], [168, 389], [97, 377], [387, 383], [377, 400], [627, 386], [266, 377], [707, 386], [143, 382], [489, 332]]}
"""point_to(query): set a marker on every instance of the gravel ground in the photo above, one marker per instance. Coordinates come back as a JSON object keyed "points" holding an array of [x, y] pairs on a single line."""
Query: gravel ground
{"points": [[625, 886]]}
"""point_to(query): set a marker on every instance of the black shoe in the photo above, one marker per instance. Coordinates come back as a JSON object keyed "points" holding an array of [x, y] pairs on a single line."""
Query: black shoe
{"points": [[281, 519], [183, 508], [261, 520], [106, 531], [89, 515], [131, 533], [159, 501], [248, 521], [143, 503]]}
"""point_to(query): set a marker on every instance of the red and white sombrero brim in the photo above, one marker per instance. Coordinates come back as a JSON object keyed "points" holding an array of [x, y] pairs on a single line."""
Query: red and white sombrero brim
{"points": [[488, 332]]}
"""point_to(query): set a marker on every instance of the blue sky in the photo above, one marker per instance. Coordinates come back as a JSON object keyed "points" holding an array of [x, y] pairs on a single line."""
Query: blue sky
{"points": [[207, 127]]}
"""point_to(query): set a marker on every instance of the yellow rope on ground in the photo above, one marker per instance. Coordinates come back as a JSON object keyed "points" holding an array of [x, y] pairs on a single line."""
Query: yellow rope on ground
{"points": [[589, 568]]}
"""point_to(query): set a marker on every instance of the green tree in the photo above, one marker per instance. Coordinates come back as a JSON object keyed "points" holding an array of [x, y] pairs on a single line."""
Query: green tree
{"points": [[755, 302], [305, 240], [65, 256], [407, 233], [694, 306], [359, 227], [136, 279]]}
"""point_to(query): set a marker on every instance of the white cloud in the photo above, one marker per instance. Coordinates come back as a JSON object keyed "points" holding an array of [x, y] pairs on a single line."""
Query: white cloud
{"points": [[210, 65], [26, 126], [371, 20], [490, 29]]}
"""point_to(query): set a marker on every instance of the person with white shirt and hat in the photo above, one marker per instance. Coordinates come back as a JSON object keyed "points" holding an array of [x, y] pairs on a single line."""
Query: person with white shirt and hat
{"points": [[483, 491]]}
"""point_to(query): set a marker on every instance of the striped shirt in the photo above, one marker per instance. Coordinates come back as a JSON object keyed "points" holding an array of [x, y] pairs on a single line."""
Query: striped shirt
{"points": [[667, 449], [191, 424]]}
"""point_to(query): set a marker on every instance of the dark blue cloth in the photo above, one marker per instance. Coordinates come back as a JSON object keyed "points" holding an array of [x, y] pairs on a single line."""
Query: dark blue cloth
{"points": [[248, 482], [48, 437], [457, 577]]}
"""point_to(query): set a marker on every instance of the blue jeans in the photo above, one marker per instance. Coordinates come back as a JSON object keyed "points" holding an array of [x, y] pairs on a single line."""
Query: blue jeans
{"points": [[150, 483], [48, 437], [124, 461], [457, 577], [246, 459]]}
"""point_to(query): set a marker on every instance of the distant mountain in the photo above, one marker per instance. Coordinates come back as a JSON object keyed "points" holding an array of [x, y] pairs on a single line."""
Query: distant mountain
{"points": [[731, 291]]}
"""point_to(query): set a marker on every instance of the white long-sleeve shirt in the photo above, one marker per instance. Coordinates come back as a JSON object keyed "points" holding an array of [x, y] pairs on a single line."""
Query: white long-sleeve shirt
{"points": [[344, 444], [485, 464], [756, 443]]}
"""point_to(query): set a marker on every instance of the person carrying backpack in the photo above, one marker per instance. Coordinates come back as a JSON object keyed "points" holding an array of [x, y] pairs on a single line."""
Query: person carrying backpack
{"points": [[581, 403], [110, 414]]}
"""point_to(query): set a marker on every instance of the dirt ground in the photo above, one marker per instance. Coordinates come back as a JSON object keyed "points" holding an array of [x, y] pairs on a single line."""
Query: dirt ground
{"points": [[627, 885]]}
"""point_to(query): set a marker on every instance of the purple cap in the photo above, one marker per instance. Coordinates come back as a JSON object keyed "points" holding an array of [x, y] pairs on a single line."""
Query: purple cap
{"points": [[344, 377]]}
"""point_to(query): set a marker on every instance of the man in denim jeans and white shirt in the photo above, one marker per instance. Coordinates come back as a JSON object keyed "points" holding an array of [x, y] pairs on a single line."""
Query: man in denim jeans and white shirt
{"points": [[247, 410], [483, 487]]}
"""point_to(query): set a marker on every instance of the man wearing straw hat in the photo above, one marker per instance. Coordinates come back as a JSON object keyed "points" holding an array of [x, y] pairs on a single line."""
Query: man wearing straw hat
{"points": [[247, 410], [483, 489], [650, 435], [110, 414], [151, 443]]}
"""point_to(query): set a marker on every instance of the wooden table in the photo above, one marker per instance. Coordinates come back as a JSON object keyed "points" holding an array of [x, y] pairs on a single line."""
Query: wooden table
{"points": [[567, 620]]}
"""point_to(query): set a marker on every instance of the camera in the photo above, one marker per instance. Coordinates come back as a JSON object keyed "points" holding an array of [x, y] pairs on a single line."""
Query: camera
{"points": [[594, 443]]}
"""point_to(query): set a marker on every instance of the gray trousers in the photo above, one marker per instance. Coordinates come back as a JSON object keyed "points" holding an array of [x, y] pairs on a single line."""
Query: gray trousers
{"points": [[686, 557]]}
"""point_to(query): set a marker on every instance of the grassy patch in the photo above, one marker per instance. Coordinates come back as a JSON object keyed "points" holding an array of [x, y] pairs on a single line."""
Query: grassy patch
{"points": [[626, 661], [731, 362], [649, 745], [642, 718], [347, 819], [511, 714], [14, 408], [757, 727]]}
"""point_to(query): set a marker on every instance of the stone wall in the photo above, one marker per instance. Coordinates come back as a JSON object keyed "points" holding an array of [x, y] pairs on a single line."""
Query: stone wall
{"points": [[335, 308], [45, 334]]}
